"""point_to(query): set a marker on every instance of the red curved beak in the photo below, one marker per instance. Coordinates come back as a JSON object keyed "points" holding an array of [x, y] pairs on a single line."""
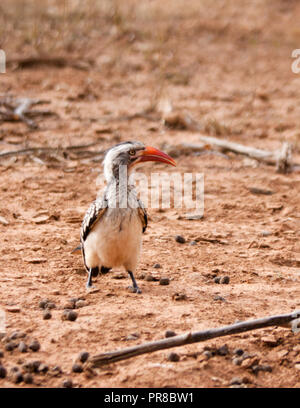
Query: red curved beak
{"points": [[153, 154]]}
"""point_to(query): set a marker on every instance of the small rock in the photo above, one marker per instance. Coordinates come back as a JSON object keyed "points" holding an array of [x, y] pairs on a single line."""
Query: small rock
{"points": [[77, 368], [80, 303], [22, 347], [150, 278], [70, 315], [10, 346], [67, 384], [3, 371], [193, 243], [43, 303], [217, 297], [47, 315], [157, 266], [133, 336], [217, 279], [236, 380], [207, 354], [180, 239], [266, 233], [257, 368], [1, 354], [83, 356], [270, 341], [17, 377], [50, 305], [170, 333], [3, 221], [179, 296], [28, 378], [173, 357], [164, 281], [223, 350], [43, 368], [69, 305], [238, 351], [237, 361], [225, 280], [13, 309], [17, 335], [34, 346]]}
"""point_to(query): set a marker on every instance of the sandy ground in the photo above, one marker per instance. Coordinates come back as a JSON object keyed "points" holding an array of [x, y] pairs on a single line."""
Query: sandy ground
{"points": [[228, 66]]}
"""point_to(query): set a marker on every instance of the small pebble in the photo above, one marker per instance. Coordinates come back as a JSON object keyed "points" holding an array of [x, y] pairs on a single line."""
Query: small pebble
{"points": [[150, 278], [3, 372], [17, 377], [80, 303], [223, 350], [217, 279], [69, 305], [179, 296], [22, 347], [83, 356], [193, 243], [50, 305], [77, 368], [17, 335], [237, 361], [67, 384], [207, 354], [34, 345], [217, 297], [180, 239], [1, 354], [157, 266], [70, 315], [10, 346], [43, 368], [28, 378], [170, 333], [47, 315], [225, 280], [238, 352], [257, 368], [43, 303], [164, 281], [236, 380], [173, 357]]}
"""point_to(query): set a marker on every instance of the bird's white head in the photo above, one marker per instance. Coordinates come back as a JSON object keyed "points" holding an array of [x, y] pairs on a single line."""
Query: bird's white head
{"points": [[129, 154]]}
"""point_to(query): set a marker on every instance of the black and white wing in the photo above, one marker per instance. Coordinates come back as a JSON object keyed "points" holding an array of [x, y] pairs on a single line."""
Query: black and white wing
{"points": [[92, 216], [143, 215]]}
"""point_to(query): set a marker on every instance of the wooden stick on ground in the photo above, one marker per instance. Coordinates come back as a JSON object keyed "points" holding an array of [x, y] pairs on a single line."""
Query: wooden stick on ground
{"points": [[284, 320]]}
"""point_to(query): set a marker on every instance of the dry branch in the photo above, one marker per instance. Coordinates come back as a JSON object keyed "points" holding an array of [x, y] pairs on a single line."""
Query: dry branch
{"points": [[59, 62], [284, 320]]}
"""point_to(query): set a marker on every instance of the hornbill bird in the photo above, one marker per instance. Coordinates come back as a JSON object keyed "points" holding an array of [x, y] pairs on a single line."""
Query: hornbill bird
{"points": [[111, 232]]}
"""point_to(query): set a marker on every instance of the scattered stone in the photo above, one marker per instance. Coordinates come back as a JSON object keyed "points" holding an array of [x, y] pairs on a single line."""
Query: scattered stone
{"points": [[17, 377], [119, 276], [43, 368], [223, 350], [11, 346], [70, 315], [50, 305], [34, 346], [257, 368], [13, 309], [133, 336], [179, 296], [180, 239], [28, 378], [77, 368], [43, 303], [237, 360], [255, 190], [157, 266], [1, 354], [17, 335], [217, 279], [151, 278], [3, 221], [266, 233], [207, 354], [67, 384], [164, 281], [225, 280], [80, 303], [270, 341], [170, 333], [83, 356], [69, 305], [238, 351], [22, 347], [217, 297], [193, 243], [47, 315], [174, 357], [3, 371], [236, 380]]}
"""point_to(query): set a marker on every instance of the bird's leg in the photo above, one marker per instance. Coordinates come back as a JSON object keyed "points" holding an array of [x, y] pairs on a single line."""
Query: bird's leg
{"points": [[92, 272], [134, 288]]}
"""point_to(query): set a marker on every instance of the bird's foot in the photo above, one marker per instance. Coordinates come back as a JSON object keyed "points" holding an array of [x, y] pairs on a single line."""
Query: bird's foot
{"points": [[134, 289]]}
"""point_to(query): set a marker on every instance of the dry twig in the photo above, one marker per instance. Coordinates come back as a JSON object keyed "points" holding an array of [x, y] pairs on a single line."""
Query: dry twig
{"points": [[285, 320]]}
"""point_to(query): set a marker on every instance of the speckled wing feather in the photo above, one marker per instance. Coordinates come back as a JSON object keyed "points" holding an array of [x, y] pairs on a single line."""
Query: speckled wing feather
{"points": [[92, 216], [143, 215]]}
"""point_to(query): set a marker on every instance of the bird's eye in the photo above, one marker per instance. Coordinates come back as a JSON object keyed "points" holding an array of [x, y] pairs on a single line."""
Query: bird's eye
{"points": [[132, 152]]}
